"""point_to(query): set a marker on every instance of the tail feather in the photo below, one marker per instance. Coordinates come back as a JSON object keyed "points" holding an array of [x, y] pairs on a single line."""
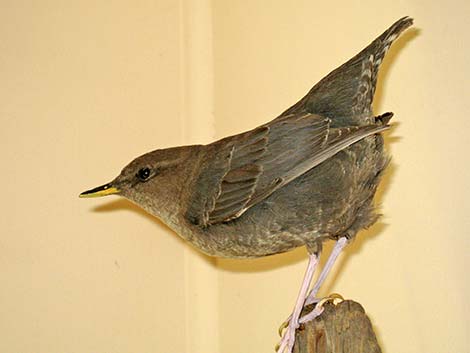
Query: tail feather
{"points": [[345, 95]]}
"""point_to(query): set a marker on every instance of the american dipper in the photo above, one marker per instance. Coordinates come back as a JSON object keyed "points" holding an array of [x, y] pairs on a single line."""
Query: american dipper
{"points": [[307, 176]]}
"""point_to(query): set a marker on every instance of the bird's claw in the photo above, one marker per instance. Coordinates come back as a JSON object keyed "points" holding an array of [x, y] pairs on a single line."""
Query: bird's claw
{"points": [[283, 326], [286, 321], [333, 298], [288, 338]]}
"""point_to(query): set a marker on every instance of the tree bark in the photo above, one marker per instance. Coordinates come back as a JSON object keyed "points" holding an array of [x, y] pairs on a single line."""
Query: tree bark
{"points": [[341, 328]]}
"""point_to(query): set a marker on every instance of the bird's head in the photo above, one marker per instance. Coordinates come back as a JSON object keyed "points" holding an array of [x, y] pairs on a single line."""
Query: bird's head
{"points": [[154, 181]]}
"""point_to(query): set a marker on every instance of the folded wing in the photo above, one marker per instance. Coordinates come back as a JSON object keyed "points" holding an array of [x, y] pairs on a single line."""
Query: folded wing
{"points": [[251, 166]]}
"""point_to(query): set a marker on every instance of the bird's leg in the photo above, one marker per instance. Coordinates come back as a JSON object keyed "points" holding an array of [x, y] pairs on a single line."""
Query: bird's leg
{"points": [[340, 244], [288, 339]]}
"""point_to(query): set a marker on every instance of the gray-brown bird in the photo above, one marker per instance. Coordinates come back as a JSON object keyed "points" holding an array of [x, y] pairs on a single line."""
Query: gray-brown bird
{"points": [[305, 177]]}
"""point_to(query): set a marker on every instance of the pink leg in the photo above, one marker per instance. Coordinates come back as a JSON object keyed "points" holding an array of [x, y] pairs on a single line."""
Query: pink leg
{"points": [[340, 244], [288, 339]]}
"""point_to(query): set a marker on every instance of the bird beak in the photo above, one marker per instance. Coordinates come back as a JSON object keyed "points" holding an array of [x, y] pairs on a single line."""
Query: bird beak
{"points": [[103, 190]]}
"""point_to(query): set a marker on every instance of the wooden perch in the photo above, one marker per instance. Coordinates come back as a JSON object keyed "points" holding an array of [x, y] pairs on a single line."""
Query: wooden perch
{"points": [[341, 328]]}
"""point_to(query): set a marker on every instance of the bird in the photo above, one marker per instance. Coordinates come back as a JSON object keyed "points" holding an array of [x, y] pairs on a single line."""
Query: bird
{"points": [[308, 176]]}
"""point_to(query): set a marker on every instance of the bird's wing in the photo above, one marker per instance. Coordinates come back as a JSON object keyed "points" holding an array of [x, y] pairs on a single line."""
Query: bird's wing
{"points": [[247, 168], [348, 91]]}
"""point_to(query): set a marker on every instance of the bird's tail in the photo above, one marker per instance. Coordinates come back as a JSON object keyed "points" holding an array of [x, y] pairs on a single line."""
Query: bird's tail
{"points": [[345, 95]]}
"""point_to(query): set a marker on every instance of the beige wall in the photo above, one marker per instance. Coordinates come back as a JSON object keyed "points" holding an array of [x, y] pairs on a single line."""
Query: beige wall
{"points": [[86, 87]]}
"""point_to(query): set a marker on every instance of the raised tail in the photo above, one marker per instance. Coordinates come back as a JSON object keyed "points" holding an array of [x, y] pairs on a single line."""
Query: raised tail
{"points": [[345, 95]]}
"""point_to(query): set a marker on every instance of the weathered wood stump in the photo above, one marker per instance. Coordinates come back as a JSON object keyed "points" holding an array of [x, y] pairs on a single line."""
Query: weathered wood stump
{"points": [[341, 328]]}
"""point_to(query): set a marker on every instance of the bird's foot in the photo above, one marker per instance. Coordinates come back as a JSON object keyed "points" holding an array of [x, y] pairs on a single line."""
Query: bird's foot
{"points": [[286, 321], [332, 298], [287, 332], [289, 326], [288, 338]]}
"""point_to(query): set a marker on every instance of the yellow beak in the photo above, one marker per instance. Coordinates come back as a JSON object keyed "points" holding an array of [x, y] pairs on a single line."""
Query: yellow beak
{"points": [[103, 190]]}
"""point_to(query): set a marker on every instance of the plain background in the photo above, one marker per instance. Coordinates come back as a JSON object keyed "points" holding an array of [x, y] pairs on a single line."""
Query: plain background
{"points": [[87, 86]]}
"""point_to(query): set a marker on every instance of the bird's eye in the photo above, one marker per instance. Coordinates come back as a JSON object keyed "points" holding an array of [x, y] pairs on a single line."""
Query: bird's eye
{"points": [[143, 174]]}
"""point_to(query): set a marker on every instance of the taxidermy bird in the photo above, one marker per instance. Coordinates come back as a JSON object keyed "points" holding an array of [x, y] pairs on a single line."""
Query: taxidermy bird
{"points": [[305, 177]]}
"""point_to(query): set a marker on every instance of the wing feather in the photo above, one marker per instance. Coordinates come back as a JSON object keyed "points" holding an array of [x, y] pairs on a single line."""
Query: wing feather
{"points": [[251, 166]]}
